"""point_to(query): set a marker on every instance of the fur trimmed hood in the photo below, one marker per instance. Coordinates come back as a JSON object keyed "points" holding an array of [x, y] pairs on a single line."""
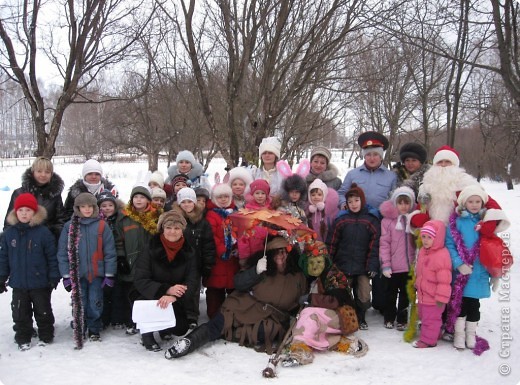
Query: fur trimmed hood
{"points": [[39, 217], [49, 191], [194, 217]]}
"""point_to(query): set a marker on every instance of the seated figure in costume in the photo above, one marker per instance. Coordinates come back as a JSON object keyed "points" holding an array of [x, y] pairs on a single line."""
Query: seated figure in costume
{"points": [[329, 320], [257, 313]]}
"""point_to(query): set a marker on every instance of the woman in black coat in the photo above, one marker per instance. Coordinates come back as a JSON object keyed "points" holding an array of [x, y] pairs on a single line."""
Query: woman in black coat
{"points": [[166, 271], [47, 186]]}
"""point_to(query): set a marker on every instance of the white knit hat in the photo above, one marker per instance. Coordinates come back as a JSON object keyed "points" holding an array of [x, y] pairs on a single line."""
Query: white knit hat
{"points": [[271, 144], [318, 183], [220, 189], [158, 178], [471, 190], [187, 156], [406, 191], [186, 194], [91, 165], [240, 173], [158, 193]]}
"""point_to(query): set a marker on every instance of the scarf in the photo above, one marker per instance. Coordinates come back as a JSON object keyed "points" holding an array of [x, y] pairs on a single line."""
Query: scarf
{"points": [[94, 189], [171, 248], [78, 321], [228, 238], [468, 257], [148, 218]]}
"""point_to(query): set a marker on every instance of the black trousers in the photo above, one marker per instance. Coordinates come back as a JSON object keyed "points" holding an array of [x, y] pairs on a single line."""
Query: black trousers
{"points": [[396, 291], [470, 309], [25, 303]]}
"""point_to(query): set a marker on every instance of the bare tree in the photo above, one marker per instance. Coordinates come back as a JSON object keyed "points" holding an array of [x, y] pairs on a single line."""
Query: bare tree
{"points": [[97, 32]]}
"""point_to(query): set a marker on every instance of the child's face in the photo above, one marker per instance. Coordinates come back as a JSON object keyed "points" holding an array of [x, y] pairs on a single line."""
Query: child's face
{"points": [[238, 187], [316, 196], [107, 208], [294, 195], [474, 204], [403, 207], [223, 201], [184, 166], [354, 204], [86, 210], [42, 176], [427, 241], [260, 197], [152, 184], [158, 202], [178, 186], [187, 206], [140, 202], [24, 214], [201, 201], [93, 177]]}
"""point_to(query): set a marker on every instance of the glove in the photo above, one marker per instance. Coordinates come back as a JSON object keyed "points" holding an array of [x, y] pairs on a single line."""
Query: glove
{"points": [[109, 282], [424, 199], [304, 299], [387, 273], [495, 284], [3, 287], [465, 269], [372, 274], [67, 284], [261, 265], [487, 228]]}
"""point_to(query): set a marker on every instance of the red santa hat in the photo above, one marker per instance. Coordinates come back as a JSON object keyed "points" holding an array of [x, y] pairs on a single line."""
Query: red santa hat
{"points": [[447, 153]]}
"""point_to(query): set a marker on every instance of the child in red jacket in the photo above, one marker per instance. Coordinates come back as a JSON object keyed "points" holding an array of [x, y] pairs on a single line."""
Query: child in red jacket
{"points": [[433, 282]]}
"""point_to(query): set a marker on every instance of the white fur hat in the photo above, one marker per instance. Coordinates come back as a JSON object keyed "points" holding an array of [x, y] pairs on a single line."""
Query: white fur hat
{"points": [[91, 165], [447, 153], [220, 189], [186, 194], [158, 178], [271, 144], [318, 183], [406, 191], [471, 190], [186, 155], [240, 173]]}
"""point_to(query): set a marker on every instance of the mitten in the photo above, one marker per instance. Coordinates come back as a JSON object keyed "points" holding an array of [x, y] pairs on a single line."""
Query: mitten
{"points": [[67, 284], [3, 287], [419, 219], [261, 265], [465, 269], [108, 281], [487, 228], [387, 272], [495, 283]]}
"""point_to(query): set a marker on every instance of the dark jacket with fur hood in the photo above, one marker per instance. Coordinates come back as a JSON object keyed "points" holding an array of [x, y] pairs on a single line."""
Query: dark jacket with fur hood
{"points": [[48, 196], [77, 188], [198, 234], [329, 177], [28, 253]]}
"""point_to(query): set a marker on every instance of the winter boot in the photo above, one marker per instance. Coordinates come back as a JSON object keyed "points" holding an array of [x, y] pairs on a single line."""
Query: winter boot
{"points": [[198, 337], [459, 338], [149, 342], [471, 334]]}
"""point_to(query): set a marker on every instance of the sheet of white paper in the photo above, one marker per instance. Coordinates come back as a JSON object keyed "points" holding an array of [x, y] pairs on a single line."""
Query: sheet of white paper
{"points": [[147, 311]]}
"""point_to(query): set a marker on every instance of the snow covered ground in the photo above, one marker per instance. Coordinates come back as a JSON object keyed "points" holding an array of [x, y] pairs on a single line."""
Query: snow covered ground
{"points": [[120, 359]]}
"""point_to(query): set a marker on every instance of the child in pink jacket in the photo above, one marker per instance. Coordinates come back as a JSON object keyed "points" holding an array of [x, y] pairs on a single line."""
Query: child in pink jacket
{"points": [[396, 254], [433, 282]]}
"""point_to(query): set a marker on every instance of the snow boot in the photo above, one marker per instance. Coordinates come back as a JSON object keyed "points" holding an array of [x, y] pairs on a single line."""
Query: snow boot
{"points": [[471, 334], [459, 338], [149, 342], [198, 337]]}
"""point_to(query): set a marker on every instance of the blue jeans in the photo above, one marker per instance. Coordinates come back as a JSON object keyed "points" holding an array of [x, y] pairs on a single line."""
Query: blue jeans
{"points": [[92, 300]]}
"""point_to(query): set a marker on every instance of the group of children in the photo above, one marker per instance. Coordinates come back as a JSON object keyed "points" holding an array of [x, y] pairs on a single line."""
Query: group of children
{"points": [[101, 242]]}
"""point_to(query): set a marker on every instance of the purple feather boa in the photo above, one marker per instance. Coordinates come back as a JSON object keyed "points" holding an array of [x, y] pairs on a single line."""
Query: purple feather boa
{"points": [[78, 320], [454, 306]]}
